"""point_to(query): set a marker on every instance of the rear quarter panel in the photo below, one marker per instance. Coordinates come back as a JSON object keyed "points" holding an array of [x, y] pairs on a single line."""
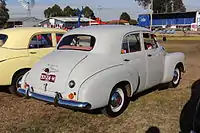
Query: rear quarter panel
{"points": [[96, 89]]}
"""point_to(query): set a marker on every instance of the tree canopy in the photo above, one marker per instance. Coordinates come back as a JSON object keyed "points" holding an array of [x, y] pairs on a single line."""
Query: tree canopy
{"points": [[4, 16], [56, 11], [133, 22], [88, 13], [125, 16], [68, 11], [162, 6]]}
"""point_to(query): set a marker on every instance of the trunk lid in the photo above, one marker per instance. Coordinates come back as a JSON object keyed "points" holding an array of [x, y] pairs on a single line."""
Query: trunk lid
{"points": [[51, 73]]}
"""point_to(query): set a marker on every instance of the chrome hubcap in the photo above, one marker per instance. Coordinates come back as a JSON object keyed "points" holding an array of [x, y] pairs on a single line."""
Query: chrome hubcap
{"points": [[116, 100], [176, 76]]}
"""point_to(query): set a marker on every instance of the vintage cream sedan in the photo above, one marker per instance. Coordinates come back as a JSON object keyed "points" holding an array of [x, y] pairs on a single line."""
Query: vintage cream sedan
{"points": [[102, 67], [20, 49]]}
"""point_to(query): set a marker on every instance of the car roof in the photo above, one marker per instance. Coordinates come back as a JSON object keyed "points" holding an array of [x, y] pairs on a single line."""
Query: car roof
{"points": [[108, 37], [22, 34], [29, 30], [111, 28]]}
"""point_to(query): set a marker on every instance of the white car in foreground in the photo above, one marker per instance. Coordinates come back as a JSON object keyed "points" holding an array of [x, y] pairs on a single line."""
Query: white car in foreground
{"points": [[102, 67]]}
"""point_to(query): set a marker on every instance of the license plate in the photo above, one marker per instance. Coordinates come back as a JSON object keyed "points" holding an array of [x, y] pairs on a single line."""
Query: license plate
{"points": [[48, 77]]}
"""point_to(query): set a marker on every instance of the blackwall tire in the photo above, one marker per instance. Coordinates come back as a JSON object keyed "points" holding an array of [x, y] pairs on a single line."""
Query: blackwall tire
{"points": [[16, 83]]}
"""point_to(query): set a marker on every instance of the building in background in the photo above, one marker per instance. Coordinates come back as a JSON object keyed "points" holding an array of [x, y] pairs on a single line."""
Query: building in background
{"points": [[170, 20], [22, 22], [65, 22]]}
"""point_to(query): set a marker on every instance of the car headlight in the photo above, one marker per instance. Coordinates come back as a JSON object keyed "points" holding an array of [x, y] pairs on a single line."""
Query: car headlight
{"points": [[72, 84]]}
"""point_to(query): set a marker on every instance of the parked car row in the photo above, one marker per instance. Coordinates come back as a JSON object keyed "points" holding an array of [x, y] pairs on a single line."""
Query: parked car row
{"points": [[165, 31]]}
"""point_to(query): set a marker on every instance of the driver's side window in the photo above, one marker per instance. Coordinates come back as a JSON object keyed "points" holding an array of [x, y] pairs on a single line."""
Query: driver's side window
{"points": [[149, 41]]}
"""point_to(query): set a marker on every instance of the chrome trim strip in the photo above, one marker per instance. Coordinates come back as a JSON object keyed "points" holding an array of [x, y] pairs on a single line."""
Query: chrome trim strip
{"points": [[57, 101]]}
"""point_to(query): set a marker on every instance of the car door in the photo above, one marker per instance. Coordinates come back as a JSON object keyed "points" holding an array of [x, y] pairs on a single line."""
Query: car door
{"points": [[134, 57], [154, 59], [40, 45]]}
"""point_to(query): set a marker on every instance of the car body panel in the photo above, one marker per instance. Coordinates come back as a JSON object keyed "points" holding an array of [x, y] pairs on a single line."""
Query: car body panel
{"points": [[155, 66]]}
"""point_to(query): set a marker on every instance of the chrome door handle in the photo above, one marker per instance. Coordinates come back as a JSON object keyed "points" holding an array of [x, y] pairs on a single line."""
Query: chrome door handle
{"points": [[126, 60], [33, 52]]}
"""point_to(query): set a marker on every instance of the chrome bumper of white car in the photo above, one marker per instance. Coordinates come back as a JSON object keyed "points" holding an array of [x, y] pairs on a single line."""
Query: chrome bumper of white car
{"points": [[57, 101]]}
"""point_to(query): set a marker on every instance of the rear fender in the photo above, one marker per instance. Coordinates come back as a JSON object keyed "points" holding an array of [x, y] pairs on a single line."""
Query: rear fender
{"points": [[171, 61], [96, 89]]}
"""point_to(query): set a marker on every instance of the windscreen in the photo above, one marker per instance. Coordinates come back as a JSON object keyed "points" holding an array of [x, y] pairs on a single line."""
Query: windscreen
{"points": [[77, 42]]}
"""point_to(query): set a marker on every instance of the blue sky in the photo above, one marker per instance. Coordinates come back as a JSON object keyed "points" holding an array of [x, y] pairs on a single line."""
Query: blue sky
{"points": [[106, 9]]}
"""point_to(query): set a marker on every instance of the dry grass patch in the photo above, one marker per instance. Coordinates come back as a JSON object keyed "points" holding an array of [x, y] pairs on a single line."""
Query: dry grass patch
{"points": [[158, 108]]}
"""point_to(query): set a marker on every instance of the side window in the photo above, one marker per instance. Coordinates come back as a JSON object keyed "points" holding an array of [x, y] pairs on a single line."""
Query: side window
{"points": [[131, 43], [41, 41], [149, 41], [58, 37]]}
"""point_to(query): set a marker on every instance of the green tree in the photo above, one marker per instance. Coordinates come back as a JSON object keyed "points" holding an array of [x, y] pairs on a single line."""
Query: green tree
{"points": [[4, 16], [161, 6], [56, 11], [125, 16], [87, 12], [47, 12], [179, 6], [132, 22], [68, 11]]}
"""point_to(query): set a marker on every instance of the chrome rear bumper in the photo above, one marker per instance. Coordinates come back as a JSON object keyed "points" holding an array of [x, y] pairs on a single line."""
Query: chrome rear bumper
{"points": [[57, 100]]}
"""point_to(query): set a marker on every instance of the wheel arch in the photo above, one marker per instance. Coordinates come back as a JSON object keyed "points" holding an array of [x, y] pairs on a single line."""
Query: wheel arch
{"points": [[128, 87], [181, 66], [19, 71]]}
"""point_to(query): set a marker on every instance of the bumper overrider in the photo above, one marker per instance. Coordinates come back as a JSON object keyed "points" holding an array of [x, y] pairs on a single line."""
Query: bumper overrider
{"points": [[57, 100]]}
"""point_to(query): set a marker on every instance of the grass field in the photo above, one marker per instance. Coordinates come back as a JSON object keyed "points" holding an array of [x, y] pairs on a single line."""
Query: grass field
{"points": [[179, 38], [160, 108]]}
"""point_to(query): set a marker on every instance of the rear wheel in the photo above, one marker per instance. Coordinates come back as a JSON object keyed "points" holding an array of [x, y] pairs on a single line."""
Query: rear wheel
{"points": [[118, 102], [176, 78], [16, 83]]}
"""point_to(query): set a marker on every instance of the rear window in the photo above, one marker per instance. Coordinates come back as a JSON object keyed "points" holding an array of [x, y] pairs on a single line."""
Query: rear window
{"points": [[3, 39], [77, 42]]}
